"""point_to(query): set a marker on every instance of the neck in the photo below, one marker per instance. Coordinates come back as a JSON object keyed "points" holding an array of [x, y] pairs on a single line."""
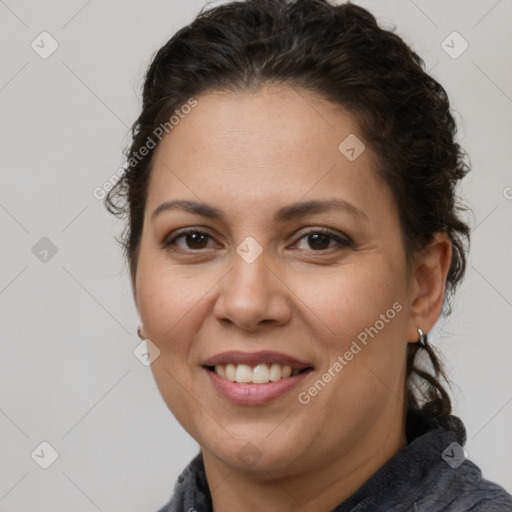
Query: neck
{"points": [[320, 489]]}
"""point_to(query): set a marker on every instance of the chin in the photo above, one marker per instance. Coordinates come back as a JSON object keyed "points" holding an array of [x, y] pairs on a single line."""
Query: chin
{"points": [[258, 452]]}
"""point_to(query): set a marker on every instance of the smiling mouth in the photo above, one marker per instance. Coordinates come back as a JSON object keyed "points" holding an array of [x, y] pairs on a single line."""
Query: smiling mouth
{"points": [[259, 374]]}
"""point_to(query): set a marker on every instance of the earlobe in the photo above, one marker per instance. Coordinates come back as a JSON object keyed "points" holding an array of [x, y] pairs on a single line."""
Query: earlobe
{"points": [[140, 332], [430, 273], [140, 325]]}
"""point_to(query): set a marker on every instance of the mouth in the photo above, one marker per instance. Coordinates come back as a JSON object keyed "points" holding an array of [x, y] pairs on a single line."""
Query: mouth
{"points": [[256, 367], [261, 373], [255, 378]]}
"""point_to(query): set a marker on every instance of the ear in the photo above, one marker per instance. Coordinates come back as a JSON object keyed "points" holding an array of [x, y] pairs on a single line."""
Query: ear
{"points": [[140, 331], [429, 284]]}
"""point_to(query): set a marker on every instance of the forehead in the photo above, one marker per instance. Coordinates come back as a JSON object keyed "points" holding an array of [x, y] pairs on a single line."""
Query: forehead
{"points": [[277, 144], [273, 124]]}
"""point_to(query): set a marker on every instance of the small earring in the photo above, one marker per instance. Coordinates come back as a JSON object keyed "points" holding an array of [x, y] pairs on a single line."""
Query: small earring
{"points": [[422, 342], [139, 333]]}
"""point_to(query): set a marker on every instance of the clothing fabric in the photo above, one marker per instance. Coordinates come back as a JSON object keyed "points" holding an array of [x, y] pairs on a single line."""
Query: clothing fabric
{"points": [[430, 474]]}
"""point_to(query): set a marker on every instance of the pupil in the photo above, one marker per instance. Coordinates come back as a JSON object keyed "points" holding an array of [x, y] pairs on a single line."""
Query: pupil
{"points": [[194, 238], [314, 239]]}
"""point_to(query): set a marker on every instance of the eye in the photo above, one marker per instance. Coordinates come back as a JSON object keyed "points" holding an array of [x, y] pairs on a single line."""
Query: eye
{"points": [[320, 239], [193, 240]]}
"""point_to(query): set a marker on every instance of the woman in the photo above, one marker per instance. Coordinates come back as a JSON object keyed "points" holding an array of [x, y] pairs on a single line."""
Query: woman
{"points": [[293, 236]]}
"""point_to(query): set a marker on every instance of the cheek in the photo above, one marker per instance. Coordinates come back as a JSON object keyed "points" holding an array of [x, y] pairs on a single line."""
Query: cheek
{"points": [[166, 301], [347, 300], [361, 311], [364, 310], [171, 309], [167, 311]]}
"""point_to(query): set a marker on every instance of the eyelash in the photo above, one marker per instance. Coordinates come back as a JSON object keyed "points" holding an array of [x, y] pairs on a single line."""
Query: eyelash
{"points": [[343, 242]]}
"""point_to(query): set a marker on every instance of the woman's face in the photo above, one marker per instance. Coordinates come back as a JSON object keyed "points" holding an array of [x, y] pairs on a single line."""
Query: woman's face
{"points": [[270, 281]]}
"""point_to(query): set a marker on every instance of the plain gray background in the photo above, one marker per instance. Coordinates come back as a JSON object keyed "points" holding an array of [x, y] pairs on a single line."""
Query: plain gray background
{"points": [[68, 375]]}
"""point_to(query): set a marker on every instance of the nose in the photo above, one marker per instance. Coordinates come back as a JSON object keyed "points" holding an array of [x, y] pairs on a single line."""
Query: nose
{"points": [[253, 295]]}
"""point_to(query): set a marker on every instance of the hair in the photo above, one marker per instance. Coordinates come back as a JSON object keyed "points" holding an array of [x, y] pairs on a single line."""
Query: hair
{"points": [[341, 54]]}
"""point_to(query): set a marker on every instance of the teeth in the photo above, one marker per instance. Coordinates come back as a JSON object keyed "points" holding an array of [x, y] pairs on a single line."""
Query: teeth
{"points": [[230, 372], [260, 374], [275, 372], [243, 373], [220, 371]]}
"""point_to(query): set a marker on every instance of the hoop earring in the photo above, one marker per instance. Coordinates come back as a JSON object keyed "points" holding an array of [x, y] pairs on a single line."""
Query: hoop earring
{"points": [[139, 333], [422, 341]]}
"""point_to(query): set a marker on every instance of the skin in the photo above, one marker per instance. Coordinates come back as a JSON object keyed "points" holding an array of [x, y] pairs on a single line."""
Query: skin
{"points": [[249, 154]]}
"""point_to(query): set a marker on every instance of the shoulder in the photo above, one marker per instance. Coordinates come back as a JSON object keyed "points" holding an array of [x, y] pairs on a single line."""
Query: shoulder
{"points": [[445, 479], [464, 490]]}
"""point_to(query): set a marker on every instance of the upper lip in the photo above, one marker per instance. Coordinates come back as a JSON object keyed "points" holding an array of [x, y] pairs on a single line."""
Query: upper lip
{"points": [[255, 358]]}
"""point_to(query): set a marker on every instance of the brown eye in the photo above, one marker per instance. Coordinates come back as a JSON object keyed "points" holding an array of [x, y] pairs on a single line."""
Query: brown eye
{"points": [[196, 240], [193, 240], [320, 240]]}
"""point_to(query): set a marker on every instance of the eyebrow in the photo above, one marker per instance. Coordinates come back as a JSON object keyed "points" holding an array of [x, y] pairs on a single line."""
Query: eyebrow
{"points": [[286, 213]]}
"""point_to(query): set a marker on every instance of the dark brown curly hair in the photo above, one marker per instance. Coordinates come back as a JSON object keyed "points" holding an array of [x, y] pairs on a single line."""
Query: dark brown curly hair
{"points": [[340, 53]]}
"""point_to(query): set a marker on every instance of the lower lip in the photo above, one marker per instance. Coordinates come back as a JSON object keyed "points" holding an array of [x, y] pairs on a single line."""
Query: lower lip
{"points": [[254, 394]]}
